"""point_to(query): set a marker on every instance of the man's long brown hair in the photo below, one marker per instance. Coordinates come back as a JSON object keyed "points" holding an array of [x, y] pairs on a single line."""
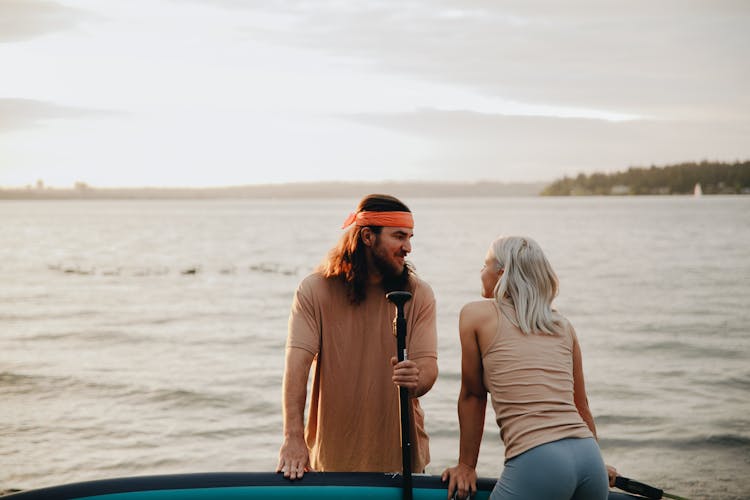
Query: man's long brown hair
{"points": [[347, 260]]}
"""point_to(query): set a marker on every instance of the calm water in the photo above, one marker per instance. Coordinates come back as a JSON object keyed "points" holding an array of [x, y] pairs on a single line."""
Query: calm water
{"points": [[143, 337]]}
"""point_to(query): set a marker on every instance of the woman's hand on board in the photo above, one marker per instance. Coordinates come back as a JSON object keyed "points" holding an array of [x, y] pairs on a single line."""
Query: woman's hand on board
{"points": [[462, 480], [611, 474]]}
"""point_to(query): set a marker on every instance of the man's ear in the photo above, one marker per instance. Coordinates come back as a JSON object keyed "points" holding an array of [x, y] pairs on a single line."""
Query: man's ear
{"points": [[368, 237]]}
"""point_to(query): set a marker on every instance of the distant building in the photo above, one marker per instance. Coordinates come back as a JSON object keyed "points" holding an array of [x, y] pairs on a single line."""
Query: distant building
{"points": [[619, 189]]}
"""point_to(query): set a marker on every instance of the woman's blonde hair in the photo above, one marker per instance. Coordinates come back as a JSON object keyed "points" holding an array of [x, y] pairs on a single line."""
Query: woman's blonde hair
{"points": [[529, 282]]}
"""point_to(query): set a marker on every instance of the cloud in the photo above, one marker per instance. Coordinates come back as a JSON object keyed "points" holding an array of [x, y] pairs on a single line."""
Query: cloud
{"points": [[673, 59], [25, 113], [24, 19], [431, 89], [528, 148]]}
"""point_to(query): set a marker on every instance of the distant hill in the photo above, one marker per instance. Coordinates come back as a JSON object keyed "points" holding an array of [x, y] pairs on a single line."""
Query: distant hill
{"points": [[713, 177], [292, 190]]}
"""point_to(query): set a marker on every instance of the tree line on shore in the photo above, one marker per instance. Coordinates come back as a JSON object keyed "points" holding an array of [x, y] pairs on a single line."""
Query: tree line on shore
{"points": [[713, 178]]}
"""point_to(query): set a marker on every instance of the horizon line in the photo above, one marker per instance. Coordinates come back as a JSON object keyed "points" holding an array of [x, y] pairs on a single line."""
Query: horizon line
{"points": [[82, 185]]}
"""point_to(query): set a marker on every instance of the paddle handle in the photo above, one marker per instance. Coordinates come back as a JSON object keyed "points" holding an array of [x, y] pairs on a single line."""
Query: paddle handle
{"points": [[627, 484]]}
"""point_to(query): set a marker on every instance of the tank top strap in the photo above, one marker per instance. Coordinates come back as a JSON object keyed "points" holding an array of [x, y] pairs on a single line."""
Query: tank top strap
{"points": [[499, 314], [489, 346]]}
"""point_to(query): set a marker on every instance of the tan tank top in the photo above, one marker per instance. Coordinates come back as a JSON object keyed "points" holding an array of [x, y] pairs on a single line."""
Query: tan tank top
{"points": [[530, 381]]}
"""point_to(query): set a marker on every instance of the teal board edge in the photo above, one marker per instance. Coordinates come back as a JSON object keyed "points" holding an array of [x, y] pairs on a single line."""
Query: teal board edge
{"points": [[257, 485], [249, 485], [275, 492]]}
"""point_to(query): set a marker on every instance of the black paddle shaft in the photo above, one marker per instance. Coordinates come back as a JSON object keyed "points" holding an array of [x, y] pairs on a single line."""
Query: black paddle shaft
{"points": [[627, 484], [399, 329], [643, 489]]}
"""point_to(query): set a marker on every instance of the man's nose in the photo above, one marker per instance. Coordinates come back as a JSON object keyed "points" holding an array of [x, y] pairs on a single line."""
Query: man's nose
{"points": [[406, 246]]}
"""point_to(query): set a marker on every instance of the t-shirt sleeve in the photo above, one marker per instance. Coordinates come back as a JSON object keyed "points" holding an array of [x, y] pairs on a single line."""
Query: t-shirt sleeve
{"points": [[304, 320], [423, 328]]}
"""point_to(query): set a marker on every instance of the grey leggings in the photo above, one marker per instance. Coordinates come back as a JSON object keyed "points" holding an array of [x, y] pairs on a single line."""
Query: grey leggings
{"points": [[568, 469]]}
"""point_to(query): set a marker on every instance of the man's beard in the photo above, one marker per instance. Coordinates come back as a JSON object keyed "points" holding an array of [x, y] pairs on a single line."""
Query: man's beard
{"points": [[392, 280]]}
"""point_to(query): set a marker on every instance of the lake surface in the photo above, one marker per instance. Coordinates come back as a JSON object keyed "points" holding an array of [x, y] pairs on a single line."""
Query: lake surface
{"points": [[144, 337]]}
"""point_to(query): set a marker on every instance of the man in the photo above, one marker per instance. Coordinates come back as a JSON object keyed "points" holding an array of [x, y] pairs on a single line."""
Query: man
{"points": [[342, 325]]}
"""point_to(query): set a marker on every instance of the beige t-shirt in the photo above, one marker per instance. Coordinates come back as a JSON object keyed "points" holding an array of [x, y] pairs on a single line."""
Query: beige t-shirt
{"points": [[530, 381], [353, 422]]}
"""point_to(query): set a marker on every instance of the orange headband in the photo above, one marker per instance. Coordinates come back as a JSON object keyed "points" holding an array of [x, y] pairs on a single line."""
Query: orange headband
{"points": [[386, 219]]}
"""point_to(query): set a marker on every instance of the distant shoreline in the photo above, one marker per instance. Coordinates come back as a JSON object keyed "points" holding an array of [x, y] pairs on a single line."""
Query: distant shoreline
{"points": [[284, 191], [683, 178]]}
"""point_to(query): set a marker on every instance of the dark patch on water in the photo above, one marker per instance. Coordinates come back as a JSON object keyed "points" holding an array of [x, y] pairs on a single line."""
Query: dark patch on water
{"points": [[223, 434], [9, 379], [713, 442], [741, 381], [273, 268], [630, 420], [143, 465], [19, 383], [184, 398], [46, 385], [682, 349], [99, 336], [148, 271], [42, 316]]}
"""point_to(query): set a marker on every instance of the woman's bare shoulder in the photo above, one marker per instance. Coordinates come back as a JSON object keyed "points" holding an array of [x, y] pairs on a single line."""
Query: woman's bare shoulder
{"points": [[479, 310]]}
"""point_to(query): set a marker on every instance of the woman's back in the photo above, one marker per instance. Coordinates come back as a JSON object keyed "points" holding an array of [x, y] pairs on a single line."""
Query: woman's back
{"points": [[526, 355], [530, 380]]}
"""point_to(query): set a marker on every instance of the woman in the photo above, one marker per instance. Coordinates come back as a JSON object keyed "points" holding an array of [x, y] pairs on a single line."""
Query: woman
{"points": [[526, 356]]}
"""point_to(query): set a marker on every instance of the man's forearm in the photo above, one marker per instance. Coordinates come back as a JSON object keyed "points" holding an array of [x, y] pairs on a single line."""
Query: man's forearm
{"points": [[294, 391], [294, 409], [428, 372]]}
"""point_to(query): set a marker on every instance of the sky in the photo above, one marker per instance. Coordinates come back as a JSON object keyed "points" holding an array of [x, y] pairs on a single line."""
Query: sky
{"points": [[233, 92]]}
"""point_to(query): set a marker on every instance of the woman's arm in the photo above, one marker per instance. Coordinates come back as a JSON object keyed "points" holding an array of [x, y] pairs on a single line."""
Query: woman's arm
{"points": [[579, 388], [582, 402], [472, 401]]}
